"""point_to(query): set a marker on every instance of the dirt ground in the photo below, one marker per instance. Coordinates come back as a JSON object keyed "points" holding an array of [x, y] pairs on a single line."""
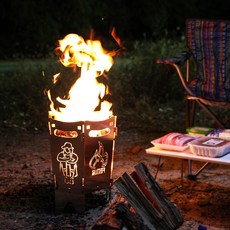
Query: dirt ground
{"points": [[27, 193]]}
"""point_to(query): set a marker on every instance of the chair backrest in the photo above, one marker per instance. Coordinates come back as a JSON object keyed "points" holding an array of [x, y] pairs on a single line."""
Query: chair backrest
{"points": [[209, 43]]}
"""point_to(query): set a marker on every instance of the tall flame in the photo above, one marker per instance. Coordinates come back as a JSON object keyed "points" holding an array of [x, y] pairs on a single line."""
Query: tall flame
{"points": [[86, 93]]}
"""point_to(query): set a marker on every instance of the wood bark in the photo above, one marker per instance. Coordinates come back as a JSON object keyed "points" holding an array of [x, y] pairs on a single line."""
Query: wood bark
{"points": [[142, 204]]}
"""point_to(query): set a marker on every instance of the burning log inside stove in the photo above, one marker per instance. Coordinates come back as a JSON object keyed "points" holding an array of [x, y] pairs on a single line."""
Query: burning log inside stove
{"points": [[144, 204]]}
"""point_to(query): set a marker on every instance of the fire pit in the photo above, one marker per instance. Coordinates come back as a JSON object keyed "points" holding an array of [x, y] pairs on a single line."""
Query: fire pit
{"points": [[82, 127], [82, 161]]}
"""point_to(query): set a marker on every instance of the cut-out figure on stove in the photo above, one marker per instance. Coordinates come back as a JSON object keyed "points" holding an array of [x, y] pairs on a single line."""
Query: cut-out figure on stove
{"points": [[68, 162], [99, 160]]}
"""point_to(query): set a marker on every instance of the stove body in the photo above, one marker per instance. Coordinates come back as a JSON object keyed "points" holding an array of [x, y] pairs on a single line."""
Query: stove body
{"points": [[82, 162]]}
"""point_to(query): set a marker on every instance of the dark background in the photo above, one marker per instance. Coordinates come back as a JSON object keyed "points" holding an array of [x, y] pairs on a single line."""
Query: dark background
{"points": [[31, 28]]}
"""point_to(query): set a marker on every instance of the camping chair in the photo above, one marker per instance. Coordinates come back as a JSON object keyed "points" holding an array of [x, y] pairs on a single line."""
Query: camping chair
{"points": [[208, 58]]}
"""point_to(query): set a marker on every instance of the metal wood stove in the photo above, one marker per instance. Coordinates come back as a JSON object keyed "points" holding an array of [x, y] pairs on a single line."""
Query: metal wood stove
{"points": [[82, 162]]}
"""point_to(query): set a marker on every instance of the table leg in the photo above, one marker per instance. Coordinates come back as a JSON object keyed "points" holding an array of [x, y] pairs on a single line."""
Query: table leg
{"points": [[182, 172], [193, 176], [189, 168], [158, 167]]}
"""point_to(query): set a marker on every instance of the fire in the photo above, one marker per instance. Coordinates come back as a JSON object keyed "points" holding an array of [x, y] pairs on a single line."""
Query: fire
{"points": [[87, 93]]}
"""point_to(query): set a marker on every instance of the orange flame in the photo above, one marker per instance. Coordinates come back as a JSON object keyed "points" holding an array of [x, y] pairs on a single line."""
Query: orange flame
{"points": [[85, 94]]}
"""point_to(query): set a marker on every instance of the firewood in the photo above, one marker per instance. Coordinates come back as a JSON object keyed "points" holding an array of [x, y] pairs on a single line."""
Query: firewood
{"points": [[151, 208], [172, 213], [138, 201], [119, 216], [130, 220], [145, 195], [108, 219]]}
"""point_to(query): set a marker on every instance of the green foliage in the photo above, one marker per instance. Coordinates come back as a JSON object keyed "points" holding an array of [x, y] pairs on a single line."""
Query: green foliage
{"points": [[148, 96], [23, 101], [32, 28], [141, 93], [136, 76], [141, 89]]}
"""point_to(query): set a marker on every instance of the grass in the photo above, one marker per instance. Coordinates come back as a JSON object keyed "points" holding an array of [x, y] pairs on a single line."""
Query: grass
{"points": [[144, 96], [22, 84]]}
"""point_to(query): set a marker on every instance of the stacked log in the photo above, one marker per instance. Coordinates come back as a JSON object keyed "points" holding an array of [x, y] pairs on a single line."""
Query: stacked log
{"points": [[141, 204]]}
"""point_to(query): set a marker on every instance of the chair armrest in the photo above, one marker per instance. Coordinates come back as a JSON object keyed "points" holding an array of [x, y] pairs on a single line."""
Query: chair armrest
{"points": [[177, 62], [179, 59]]}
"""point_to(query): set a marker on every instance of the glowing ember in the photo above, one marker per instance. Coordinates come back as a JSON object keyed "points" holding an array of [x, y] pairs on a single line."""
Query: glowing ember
{"points": [[87, 93]]}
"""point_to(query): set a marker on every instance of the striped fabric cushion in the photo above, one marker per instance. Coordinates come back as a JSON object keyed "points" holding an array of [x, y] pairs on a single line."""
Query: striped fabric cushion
{"points": [[209, 43]]}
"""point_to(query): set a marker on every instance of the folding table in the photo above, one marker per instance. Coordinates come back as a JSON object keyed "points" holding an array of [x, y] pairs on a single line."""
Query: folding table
{"points": [[187, 155]]}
